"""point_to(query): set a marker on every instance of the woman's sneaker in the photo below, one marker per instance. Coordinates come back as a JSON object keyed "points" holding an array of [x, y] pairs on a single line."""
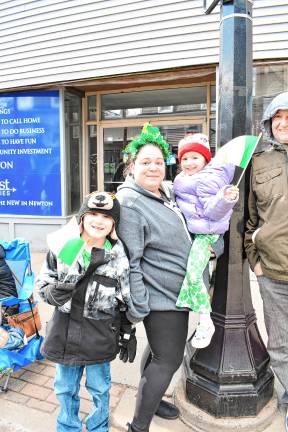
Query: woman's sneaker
{"points": [[167, 410], [203, 335]]}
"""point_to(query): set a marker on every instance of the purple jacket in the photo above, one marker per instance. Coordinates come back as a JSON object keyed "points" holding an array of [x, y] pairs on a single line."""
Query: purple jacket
{"points": [[200, 198]]}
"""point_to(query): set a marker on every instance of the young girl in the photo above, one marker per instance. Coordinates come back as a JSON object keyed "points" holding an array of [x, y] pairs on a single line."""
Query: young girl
{"points": [[205, 196], [84, 330]]}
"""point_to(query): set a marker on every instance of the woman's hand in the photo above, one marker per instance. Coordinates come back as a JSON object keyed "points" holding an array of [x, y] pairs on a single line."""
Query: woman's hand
{"points": [[258, 270], [231, 193]]}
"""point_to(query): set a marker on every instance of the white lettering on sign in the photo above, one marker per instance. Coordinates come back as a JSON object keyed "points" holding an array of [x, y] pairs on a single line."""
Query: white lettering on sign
{"points": [[16, 141], [31, 120], [6, 165], [34, 151], [13, 202], [19, 120], [28, 131], [4, 110], [30, 140], [7, 152], [4, 184], [40, 203], [15, 121]]}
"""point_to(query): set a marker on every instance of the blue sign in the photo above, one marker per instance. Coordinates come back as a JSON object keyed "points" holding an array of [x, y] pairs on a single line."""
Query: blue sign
{"points": [[30, 178]]}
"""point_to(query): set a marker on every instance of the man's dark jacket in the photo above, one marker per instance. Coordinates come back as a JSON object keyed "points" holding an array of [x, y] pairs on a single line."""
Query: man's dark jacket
{"points": [[7, 283]]}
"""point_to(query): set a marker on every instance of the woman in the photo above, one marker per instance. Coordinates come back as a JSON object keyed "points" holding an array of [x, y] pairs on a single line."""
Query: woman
{"points": [[158, 244]]}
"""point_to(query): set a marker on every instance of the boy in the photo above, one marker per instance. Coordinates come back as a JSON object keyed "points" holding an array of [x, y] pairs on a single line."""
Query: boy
{"points": [[86, 324]]}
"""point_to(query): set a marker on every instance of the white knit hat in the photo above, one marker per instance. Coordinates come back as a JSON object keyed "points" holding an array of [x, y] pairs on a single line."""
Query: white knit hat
{"points": [[197, 142]]}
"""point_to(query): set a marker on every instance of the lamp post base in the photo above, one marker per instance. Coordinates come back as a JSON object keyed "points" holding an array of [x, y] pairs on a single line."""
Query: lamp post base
{"points": [[226, 400], [231, 377], [201, 421]]}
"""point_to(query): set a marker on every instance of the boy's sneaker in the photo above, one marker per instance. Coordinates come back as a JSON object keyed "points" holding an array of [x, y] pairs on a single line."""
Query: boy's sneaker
{"points": [[203, 335]]}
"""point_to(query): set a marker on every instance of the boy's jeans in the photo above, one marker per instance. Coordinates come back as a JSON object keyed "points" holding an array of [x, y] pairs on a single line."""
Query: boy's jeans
{"points": [[67, 386]]}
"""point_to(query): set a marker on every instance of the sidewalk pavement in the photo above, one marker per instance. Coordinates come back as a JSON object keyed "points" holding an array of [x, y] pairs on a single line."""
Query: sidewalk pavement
{"points": [[30, 404]]}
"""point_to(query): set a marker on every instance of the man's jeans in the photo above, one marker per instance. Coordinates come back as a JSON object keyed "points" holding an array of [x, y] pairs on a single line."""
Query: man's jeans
{"points": [[16, 337], [275, 305], [67, 386]]}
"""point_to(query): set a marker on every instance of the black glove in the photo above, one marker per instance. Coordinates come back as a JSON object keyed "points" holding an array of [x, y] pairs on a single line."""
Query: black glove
{"points": [[58, 294], [127, 341]]}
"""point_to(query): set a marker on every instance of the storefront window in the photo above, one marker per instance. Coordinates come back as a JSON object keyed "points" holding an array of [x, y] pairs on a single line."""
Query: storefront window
{"points": [[155, 103], [212, 136], [173, 134], [116, 139], [30, 179], [92, 108], [213, 99], [92, 145], [73, 139], [268, 81]]}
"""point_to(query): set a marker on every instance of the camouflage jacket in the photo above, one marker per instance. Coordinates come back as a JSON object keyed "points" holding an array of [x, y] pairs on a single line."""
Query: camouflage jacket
{"points": [[85, 325]]}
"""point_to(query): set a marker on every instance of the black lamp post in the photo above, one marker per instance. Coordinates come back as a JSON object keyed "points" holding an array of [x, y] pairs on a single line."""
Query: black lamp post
{"points": [[231, 377]]}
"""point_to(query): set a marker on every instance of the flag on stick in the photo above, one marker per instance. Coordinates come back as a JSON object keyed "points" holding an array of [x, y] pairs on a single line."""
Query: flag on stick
{"points": [[238, 152], [66, 242]]}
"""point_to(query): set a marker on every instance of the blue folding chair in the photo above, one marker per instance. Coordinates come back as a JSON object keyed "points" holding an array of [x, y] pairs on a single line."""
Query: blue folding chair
{"points": [[17, 256]]}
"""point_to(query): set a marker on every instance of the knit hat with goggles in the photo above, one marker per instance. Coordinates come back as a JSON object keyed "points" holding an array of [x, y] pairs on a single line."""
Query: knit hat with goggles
{"points": [[100, 202]]}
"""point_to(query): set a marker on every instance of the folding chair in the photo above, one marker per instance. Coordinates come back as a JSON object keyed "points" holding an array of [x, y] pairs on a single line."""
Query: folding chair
{"points": [[17, 256]]}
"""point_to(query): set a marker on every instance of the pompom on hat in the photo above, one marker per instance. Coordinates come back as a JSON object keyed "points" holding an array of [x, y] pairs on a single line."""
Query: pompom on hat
{"points": [[149, 135], [101, 202], [198, 143]]}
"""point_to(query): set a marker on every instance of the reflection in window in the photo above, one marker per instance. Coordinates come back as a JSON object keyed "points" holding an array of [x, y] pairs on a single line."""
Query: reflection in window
{"points": [[212, 136], [213, 99], [116, 139], [92, 145], [268, 81], [25, 103], [168, 102], [133, 112], [73, 147], [91, 107], [113, 114]]}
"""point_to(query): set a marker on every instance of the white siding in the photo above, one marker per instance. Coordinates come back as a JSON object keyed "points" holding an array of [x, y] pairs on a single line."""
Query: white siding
{"points": [[45, 41]]}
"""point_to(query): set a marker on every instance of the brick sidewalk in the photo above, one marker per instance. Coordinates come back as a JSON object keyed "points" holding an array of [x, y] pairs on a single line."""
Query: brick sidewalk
{"points": [[32, 387]]}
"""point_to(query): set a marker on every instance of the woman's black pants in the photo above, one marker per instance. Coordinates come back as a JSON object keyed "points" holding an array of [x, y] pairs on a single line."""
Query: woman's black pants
{"points": [[166, 333]]}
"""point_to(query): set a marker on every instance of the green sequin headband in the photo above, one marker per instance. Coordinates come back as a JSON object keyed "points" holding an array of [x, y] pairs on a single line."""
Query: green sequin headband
{"points": [[149, 135]]}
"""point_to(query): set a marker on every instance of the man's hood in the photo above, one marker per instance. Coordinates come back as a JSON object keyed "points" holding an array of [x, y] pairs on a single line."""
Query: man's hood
{"points": [[279, 102]]}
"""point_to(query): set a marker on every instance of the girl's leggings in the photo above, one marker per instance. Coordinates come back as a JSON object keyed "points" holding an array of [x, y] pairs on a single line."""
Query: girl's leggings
{"points": [[166, 333], [193, 293]]}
